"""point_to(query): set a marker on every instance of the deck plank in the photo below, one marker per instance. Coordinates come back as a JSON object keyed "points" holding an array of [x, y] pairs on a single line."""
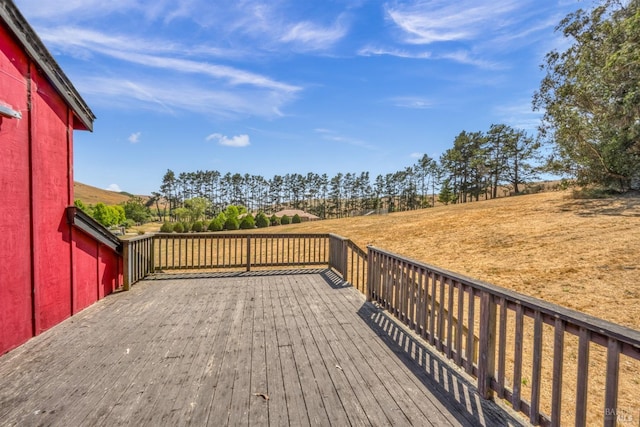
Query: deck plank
{"points": [[250, 349]]}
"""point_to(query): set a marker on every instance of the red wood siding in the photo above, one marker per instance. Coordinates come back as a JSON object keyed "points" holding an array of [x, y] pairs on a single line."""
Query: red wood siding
{"points": [[49, 132], [15, 250], [47, 270]]}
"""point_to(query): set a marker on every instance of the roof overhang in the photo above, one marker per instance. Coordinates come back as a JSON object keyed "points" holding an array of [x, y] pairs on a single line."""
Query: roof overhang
{"points": [[33, 46], [80, 220]]}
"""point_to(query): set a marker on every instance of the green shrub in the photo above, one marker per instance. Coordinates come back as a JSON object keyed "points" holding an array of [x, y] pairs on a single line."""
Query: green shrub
{"points": [[274, 220], [167, 227], [197, 227], [231, 224], [296, 219], [178, 227], [285, 220], [261, 220], [247, 223], [186, 226], [216, 225]]}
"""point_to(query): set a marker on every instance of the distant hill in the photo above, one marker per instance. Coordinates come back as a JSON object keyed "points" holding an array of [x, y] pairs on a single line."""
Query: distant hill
{"points": [[92, 195]]}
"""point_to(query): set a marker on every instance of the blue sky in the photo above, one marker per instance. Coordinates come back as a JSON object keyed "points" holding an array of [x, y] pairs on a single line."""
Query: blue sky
{"points": [[274, 87]]}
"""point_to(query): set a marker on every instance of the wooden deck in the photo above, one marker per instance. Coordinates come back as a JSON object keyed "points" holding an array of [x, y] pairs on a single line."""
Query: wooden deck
{"points": [[238, 349]]}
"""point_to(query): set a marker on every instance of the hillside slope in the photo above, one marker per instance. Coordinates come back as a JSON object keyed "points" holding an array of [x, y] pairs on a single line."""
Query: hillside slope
{"points": [[92, 195], [581, 254]]}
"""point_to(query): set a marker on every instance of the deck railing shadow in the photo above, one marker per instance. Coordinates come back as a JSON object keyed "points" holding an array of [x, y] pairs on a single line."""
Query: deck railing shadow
{"points": [[453, 389], [442, 379]]}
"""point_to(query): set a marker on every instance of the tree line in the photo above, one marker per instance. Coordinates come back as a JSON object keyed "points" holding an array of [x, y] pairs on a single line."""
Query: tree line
{"points": [[475, 167]]}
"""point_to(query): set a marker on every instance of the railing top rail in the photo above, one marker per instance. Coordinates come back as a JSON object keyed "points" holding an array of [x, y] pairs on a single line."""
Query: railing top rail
{"points": [[138, 238], [222, 234], [336, 236], [591, 323]]}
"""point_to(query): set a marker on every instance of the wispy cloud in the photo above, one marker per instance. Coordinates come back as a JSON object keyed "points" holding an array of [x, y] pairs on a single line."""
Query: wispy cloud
{"points": [[416, 155], [234, 141], [134, 138], [414, 102], [114, 187], [400, 53], [470, 32], [330, 135], [122, 48], [308, 35], [171, 96], [443, 21]]}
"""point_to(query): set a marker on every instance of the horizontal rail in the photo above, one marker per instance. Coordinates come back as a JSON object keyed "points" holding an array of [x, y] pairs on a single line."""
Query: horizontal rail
{"points": [[449, 309]]}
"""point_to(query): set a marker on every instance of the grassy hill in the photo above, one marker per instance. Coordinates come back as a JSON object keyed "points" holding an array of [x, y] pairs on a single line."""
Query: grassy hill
{"points": [[579, 253], [92, 195]]}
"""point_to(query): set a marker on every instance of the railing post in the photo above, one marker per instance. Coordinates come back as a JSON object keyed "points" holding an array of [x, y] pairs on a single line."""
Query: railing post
{"points": [[611, 390], [126, 279], [369, 284], [487, 345], [248, 253], [344, 260], [152, 256]]}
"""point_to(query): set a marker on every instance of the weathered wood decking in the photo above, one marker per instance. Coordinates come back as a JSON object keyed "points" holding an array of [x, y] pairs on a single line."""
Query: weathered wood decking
{"points": [[242, 349]]}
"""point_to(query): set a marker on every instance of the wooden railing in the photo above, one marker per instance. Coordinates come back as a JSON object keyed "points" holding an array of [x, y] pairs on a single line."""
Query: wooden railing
{"points": [[448, 309], [137, 255], [205, 251], [349, 260], [238, 251]]}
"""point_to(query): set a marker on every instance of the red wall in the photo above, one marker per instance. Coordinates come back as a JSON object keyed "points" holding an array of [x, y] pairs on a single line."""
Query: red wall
{"points": [[15, 221], [47, 270]]}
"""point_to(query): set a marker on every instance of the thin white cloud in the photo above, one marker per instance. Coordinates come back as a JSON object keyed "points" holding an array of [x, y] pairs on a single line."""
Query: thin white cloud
{"points": [[114, 187], [414, 102], [73, 39], [330, 135], [134, 138], [234, 141], [307, 35], [173, 96], [459, 56], [400, 53], [120, 47], [444, 21], [416, 155]]}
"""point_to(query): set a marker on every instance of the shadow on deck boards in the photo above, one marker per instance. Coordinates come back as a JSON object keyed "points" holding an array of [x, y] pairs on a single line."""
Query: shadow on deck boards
{"points": [[443, 379]]}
